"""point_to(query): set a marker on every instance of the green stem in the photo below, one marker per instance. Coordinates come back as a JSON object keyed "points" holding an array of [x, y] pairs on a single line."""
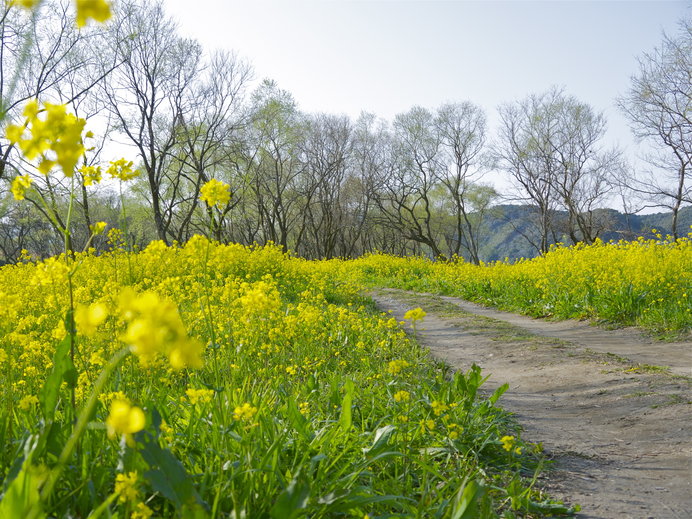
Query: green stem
{"points": [[127, 233], [78, 431]]}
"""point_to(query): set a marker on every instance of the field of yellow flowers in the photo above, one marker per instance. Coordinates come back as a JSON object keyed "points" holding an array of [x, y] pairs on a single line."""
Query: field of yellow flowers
{"points": [[224, 381], [646, 283]]}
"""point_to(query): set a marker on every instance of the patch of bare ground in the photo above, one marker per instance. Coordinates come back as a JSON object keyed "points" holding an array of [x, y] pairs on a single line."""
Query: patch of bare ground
{"points": [[612, 409]]}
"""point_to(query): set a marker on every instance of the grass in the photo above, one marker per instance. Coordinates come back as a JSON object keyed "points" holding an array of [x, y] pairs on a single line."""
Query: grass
{"points": [[309, 402]]}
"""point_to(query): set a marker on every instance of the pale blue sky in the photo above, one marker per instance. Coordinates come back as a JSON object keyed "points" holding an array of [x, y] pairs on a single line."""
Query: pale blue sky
{"points": [[342, 56]]}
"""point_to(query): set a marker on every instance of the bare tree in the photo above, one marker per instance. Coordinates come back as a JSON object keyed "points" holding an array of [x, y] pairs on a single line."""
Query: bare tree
{"points": [[659, 107], [207, 136], [149, 97], [273, 164], [461, 129], [409, 198], [525, 153], [326, 151], [551, 146]]}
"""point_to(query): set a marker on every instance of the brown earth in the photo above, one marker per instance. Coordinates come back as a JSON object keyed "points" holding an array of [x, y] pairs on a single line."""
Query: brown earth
{"points": [[612, 408]]}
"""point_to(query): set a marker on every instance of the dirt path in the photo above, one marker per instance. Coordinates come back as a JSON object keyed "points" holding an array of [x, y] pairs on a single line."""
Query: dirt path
{"points": [[614, 421]]}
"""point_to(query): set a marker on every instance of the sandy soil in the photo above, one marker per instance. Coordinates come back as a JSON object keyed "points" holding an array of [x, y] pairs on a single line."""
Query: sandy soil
{"points": [[615, 422]]}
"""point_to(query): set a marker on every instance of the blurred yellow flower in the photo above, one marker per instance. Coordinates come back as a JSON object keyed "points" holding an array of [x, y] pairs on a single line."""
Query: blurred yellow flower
{"points": [[126, 487], [124, 419], [20, 185], [154, 327], [141, 511], [244, 413], [396, 366], [199, 396], [27, 402], [415, 315], [27, 4], [98, 10], [58, 132], [91, 174], [122, 169], [507, 442], [89, 318], [98, 227], [439, 407], [215, 193], [402, 396]]}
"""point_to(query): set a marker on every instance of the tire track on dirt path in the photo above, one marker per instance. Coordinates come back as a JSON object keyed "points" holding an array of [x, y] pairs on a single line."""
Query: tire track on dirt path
{"points": [[616, 427]]}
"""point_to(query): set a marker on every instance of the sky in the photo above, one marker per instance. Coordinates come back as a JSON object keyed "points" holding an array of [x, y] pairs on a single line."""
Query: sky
{"points": [[386, 56]]}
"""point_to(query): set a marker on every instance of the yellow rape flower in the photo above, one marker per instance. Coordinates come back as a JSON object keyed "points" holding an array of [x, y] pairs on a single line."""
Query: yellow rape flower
{"points": [[98, 10], [199, 396], [126, 487], [215, 193], [507, 442], [415, 315], [141, 511], [57, 132], [26, 4], [124, 419], [439, 407], [123, 170], [426, 425], [402, 396], [89, 318], [27, 402], [98, 227], [244, 413], [155, 328], [20, 185], [91, 174], [396, 366]]}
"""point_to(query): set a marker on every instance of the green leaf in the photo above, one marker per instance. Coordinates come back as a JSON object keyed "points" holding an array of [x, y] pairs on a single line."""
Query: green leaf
{"points": [[297, 420], [63, 370], [168, 476], [346, 420], [466, 502], [498, 393], [379, 443], [293, 500], [22, 494]]}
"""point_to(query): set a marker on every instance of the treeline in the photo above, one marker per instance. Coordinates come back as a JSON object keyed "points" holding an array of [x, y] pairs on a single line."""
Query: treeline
{"points": [[321, 185]]}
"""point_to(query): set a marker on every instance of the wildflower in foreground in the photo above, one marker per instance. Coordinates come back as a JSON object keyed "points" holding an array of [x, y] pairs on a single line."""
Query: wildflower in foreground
{"points": [[439, 407], [20, 185], [415, 315], [91, 174], [155, 328], [89, 318], [56, 131], [402, 396], [98, 10], [27, 402], [142, 511], [508, 443], [215, 193], [126, 487], [27, 4], [98, 227], [244, 413], [124, 419], [396, 366], [122, 169], [199, 396]]}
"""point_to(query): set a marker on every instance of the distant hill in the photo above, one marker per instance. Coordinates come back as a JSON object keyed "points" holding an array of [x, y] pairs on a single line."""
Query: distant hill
{"points": [[507, 226]]}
